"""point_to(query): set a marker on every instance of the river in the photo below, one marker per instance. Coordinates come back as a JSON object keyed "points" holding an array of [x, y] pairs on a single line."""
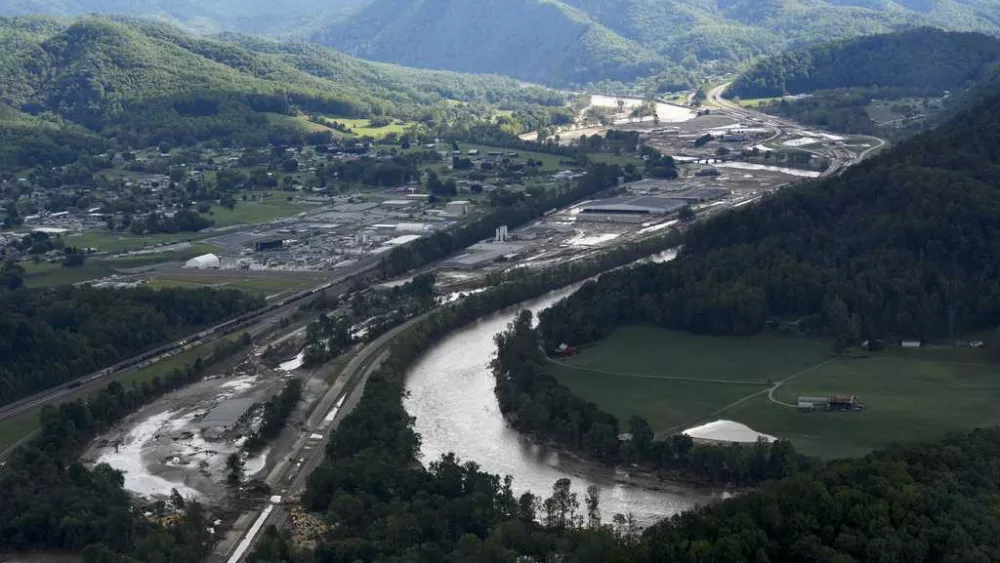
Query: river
{"points": [[450, 392]]}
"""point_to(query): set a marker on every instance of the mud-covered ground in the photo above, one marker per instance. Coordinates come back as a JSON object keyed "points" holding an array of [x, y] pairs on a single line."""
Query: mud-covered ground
{"points": [[163, 446]]}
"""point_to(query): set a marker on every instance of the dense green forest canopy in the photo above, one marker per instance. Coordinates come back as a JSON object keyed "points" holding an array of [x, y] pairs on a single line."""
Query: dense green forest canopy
{"points": [[904, 245], [72, 86], [50, 336], [590, 41], [556, 42], [251, 16], [925, 60]]}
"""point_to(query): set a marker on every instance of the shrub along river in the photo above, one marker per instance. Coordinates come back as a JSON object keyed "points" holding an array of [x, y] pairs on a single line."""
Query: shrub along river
{"points": [[450, 392]]}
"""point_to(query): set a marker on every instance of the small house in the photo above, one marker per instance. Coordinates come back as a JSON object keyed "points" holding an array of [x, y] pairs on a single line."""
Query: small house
{"points": [[565, 350]]}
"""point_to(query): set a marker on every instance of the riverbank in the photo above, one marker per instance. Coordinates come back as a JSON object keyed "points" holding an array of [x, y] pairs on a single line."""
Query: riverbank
{"points": [[450, 393]]}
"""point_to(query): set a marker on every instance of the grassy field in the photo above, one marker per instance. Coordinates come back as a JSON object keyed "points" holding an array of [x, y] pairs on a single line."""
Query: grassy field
{"points": [[757, 102], [361, 127], [550, 162], [298, 121], [45, 274], [13, 429], [115, 243], [910, 395], [256, 212]]}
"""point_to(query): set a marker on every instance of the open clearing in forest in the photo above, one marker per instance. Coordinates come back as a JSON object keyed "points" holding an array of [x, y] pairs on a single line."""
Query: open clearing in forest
{"points": [[677, 380]]}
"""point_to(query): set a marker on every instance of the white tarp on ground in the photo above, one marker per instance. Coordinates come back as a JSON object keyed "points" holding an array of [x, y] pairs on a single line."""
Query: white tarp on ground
{"points": [[204, 262], [727, 431]]}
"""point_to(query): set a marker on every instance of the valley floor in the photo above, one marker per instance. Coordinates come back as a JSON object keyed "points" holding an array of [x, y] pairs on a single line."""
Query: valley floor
{"points": [[677, 380]]}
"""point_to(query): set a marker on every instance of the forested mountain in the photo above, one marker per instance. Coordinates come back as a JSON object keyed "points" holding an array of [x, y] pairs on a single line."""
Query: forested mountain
{"points": [[141, 83], [557, 42], [581, 41], [901, 246], [926, 59], [537, 40], [253, 16]]}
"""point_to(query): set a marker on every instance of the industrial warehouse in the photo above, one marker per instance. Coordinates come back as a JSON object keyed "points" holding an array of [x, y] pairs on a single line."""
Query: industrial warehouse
{"points": [[630, 209]]}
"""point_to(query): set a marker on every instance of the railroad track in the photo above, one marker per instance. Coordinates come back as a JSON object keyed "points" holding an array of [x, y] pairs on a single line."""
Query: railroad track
{"points": [[93, 381]]}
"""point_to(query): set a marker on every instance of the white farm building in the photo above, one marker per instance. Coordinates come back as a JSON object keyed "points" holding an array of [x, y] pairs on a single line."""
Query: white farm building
{"points": [[204, 262]]}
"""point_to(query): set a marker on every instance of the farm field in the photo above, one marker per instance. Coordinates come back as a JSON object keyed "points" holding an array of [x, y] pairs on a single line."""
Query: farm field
{"points": [[678, 380], [47, 274], [256, 212], [361, 127], [115, 243], [550, 162], [909, 396]]}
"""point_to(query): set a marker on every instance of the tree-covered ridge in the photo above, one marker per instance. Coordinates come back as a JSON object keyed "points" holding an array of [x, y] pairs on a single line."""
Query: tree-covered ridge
{"points": [[254, 16], [930, 502], [590, 41], [50, 336], [904, 245], [538, 40], [98, 64], [927, 60], [71, 87]]}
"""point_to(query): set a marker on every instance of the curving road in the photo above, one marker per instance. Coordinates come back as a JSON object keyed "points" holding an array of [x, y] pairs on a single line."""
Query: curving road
{"points": [[841, 156], [289, 477]]}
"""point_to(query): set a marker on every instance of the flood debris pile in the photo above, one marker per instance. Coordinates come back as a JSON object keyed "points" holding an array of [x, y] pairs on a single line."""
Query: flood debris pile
{"points": [[182, 442]]}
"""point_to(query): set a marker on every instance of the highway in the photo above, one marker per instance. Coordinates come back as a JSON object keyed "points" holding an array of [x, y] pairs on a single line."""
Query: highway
{"points": [[842, 157]]}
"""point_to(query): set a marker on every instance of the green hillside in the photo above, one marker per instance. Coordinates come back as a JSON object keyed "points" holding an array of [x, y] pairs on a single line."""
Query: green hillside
{"points": [[898, 247], [256, 16], [581, 41], [538, 40], [558, 42], [923, 58], [142, 83]]}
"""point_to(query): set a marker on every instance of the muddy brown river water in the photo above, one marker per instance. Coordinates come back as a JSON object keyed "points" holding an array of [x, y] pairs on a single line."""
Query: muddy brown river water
{"points": [[450, 392]]}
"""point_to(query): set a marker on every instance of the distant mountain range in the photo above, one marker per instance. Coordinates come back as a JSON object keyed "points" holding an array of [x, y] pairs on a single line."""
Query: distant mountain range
{"points": [[559, 42], [142, 82]]}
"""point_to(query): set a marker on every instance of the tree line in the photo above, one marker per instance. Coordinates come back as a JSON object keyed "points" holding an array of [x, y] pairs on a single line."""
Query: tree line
{"points": [[52, 501], [534, 402], [276, 413], [928, 59], [381, 504], [897, 247], [49, 336], [442, 243]]}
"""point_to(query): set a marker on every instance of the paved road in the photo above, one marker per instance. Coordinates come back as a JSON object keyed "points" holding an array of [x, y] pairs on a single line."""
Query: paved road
{"points": [[289, 477], [841, 156]]}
